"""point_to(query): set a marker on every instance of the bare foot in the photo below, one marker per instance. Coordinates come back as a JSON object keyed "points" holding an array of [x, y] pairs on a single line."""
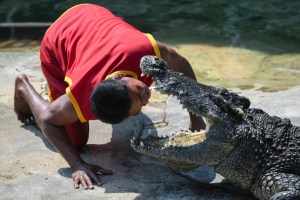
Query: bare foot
{"points": [[21, 107]]}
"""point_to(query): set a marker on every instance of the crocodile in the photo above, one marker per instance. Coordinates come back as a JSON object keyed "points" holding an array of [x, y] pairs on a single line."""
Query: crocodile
{"points": [[245, 145]]}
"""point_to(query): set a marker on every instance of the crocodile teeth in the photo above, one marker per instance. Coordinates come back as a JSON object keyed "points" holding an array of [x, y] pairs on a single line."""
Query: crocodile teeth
{"points": [[142, 144], [142, 74], [153, 88]]}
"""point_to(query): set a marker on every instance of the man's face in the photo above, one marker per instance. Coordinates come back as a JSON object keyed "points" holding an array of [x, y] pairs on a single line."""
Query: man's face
{"points": [[139, 94]]}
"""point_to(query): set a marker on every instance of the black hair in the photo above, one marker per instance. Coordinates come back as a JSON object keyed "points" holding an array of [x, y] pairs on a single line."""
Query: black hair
{"points": [[110, 101]]}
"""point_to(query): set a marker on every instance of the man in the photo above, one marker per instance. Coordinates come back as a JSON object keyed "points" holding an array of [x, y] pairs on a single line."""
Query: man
{"points": [[90, 59]]}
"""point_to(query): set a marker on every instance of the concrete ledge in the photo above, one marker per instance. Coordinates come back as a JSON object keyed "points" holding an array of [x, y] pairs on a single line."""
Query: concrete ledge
{"points": [[25, 24]]}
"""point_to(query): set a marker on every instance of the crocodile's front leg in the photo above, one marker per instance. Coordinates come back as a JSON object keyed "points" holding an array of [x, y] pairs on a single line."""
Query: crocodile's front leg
{"points": [[277, 186]]}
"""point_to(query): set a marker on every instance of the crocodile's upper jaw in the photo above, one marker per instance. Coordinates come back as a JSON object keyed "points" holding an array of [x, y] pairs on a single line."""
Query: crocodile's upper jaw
{"points": [[206, 101]]}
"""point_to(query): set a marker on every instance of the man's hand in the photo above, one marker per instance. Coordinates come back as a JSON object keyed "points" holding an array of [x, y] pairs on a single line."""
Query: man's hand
{"points": [[84, 174]]}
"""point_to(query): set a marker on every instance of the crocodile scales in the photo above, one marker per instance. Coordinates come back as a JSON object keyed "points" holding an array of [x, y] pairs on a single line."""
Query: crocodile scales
{"points": [[245, 145]]}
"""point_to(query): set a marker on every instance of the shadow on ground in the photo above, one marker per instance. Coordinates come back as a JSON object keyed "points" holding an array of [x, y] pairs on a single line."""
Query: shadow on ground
{"points": [[151, 179]]}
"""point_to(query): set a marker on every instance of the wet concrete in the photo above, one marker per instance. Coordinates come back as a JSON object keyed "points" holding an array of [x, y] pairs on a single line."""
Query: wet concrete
{"points": [[31, 168]]}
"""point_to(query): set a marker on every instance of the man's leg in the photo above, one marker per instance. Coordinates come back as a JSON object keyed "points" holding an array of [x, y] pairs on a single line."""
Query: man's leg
{"points": [[28, 103]]}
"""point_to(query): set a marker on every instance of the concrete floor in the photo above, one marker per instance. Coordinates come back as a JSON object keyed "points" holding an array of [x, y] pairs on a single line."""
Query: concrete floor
{"points": [[31, 169]]}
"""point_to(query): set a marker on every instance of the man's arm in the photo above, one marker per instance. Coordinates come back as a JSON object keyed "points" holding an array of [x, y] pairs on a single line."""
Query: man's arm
{"points": [[180, 64], [52, 121], [175, 60]]}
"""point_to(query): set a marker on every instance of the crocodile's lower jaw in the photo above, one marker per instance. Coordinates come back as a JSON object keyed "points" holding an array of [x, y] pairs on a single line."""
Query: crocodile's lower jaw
{"points": [[185, 139], [155, 146], [179, 139]]}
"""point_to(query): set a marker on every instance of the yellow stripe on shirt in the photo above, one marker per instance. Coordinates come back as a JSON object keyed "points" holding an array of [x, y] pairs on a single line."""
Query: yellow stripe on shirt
{"points": [[73, 100], [154, 44]]}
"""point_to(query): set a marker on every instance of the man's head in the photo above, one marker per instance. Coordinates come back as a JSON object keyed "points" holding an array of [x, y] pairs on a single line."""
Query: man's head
{"points": [[119, 97]]}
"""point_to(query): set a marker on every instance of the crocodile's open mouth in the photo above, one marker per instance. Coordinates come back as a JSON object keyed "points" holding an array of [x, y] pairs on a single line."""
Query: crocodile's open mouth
{"points": [[168, 148], [179, 139], [220, 109], [182, 138]]}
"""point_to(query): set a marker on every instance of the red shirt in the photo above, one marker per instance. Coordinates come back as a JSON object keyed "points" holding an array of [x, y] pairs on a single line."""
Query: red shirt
{"points": [[86, 45]]}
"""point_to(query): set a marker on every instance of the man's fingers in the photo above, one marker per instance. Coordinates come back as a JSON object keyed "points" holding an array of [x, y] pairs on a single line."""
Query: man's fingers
{"points": [[89, 183], [82, 178], [83, 183], [85, 178], [100, 170], [105, 171], [95, 179], [76, 183]]}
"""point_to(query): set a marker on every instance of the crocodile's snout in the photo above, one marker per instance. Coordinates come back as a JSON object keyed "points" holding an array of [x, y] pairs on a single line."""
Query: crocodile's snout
{"points": [[151, 65]]}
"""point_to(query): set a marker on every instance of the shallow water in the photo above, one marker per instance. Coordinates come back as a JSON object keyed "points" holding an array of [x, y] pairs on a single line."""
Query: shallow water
{"points": [[244, 44]]}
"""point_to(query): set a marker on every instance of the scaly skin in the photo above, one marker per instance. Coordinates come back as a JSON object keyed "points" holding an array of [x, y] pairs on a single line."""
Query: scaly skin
{"points": [[245, 145]]}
